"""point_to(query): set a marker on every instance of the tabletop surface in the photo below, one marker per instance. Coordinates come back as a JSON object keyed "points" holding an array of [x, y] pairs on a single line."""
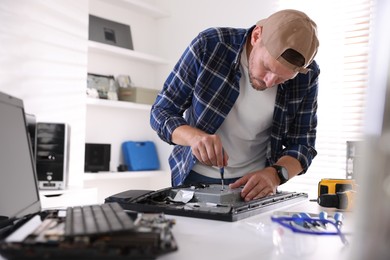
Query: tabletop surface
{"points": [[255, 238]]}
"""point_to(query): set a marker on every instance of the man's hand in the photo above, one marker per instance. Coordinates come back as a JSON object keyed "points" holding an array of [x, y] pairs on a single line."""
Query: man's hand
{"points": [[257, 184], [205, 147], [261, 183], [208, 150]]}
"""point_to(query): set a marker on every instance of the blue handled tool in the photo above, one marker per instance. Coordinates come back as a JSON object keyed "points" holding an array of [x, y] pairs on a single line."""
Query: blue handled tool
{"points": [[338, 217], [222, 171]]}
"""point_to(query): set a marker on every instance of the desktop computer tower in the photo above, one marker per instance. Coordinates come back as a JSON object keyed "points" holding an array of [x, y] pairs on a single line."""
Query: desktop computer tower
{"points": [[52, 141]]}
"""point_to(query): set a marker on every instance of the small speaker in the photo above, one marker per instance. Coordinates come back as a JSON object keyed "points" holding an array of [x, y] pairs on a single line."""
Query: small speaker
{"points": [[97, 157], [51, 147]]}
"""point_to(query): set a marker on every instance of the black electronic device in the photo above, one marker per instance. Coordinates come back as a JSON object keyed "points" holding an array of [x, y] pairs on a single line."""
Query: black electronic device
{"points": [[52, 144], [110, 32], [208, 201], [27, 232], [97, 157]]}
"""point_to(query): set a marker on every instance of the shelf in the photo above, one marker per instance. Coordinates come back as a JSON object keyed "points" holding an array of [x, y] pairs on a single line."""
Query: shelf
{"points": [[116, 104], [140, 6], [102, 48], [123, 175]]}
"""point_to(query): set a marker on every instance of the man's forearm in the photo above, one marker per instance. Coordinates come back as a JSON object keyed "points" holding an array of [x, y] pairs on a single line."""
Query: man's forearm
{"points": [[185, 134]]}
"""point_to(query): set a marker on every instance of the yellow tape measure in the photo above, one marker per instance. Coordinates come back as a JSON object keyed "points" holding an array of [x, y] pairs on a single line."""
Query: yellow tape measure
{"points": [[332, 186], [337, 193]]}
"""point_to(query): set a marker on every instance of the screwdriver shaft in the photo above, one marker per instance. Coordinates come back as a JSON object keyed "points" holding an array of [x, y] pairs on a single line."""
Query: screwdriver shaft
{"points": [[222, 171]]}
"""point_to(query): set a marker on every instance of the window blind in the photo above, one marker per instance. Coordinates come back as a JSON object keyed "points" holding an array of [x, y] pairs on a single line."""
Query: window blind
{"points": [[344, 35]]}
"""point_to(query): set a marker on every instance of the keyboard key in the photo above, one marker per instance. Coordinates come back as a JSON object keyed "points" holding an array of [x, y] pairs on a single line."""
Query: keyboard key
{"points": [[96, 220]]}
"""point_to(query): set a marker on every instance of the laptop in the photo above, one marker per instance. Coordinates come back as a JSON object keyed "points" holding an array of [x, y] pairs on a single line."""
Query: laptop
{"points": [[103, 231]]}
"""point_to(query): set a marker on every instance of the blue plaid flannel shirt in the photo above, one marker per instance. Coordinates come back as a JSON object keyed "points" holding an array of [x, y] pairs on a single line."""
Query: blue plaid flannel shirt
{"points": [[203, 87]]}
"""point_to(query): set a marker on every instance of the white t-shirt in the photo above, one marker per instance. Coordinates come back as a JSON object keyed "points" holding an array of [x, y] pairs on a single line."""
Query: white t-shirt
{"points": [[246, 130]]}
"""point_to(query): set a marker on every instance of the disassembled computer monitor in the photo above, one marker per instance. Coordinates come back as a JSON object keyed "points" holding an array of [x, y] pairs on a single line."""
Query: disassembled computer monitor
{"points": [[208, 201]]}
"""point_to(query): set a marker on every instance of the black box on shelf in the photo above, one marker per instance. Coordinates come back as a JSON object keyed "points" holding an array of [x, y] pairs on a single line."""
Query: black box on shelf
{"points": [[97, 157], [110, 32]]}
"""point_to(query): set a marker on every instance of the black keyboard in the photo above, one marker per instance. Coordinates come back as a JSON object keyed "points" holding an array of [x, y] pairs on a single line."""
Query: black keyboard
{"points": [[96, 220]]}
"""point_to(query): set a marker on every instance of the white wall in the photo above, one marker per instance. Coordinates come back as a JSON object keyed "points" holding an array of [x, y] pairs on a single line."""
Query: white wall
{"points": [[43, 58]]}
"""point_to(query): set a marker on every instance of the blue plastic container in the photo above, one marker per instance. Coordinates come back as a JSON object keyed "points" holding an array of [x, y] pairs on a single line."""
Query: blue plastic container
{"points": [[140, 156]]}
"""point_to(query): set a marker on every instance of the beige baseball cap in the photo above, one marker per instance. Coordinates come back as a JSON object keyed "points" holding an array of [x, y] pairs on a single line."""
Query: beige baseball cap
{"points": [[290, 29]]}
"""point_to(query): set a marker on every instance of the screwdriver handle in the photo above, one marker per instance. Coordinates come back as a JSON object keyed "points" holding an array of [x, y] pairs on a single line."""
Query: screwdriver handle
{"points": [[338, 217]]}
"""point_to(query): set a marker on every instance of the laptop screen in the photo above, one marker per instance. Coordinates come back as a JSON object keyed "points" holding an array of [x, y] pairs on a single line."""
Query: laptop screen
{"points": [[18, 184]]}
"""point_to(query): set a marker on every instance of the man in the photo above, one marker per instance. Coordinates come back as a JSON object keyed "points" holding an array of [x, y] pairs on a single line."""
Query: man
{"points": [[249, 100]]}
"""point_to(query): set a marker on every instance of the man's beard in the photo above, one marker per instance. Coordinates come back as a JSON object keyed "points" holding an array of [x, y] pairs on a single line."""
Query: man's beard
{"points": [[257, 84]]}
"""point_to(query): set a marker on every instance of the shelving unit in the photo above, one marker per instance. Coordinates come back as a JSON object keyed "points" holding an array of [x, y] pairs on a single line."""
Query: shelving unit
{"points": [[116, 104], [96, 47], [141, 6], [114, 122]]}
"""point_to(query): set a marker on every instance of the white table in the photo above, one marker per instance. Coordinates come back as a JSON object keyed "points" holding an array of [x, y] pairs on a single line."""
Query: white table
{"points": [[252, 238]]}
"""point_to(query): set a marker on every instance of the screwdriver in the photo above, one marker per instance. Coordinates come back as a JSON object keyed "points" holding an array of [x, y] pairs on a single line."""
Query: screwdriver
{"points": [[222, 171]]}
